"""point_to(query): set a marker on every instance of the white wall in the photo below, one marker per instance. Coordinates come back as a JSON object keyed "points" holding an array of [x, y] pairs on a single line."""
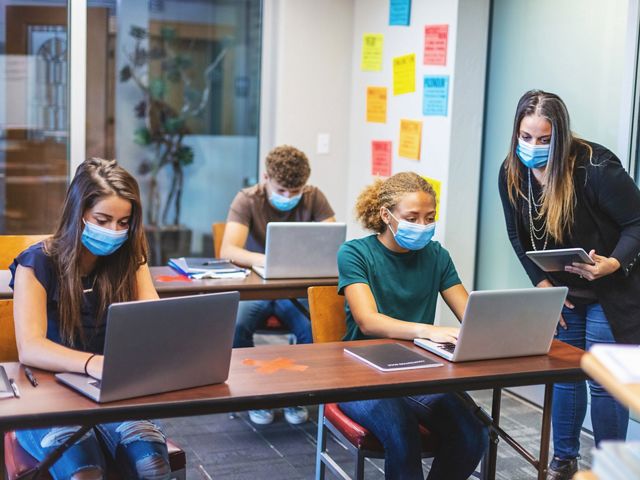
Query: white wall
{"points": [[312, 83], [306, 68], [451, 145]]}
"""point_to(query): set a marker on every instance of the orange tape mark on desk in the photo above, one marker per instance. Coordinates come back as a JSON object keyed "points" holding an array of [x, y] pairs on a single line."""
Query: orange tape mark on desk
{"points": [[272, 366], [172, 278]]}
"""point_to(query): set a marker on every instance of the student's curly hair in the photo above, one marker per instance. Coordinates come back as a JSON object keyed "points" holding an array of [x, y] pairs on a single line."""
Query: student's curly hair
{"points": [[387, 193], [288, 166]]}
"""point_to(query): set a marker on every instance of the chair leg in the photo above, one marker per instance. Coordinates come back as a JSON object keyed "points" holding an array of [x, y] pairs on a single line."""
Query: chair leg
{"points": [[321, 445], [359, 473]]}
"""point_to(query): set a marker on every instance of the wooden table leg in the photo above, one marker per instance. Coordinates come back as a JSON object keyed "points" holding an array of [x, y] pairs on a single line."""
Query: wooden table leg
{"points": [[545, 432]]}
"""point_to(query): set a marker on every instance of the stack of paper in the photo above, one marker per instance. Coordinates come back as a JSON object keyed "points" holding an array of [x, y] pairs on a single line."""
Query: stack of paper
{"points": [[199, 268], [623, 361], [616, 460]]}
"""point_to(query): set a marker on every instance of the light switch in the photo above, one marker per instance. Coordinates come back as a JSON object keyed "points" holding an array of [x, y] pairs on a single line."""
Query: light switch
{"points": [[323, 144]]}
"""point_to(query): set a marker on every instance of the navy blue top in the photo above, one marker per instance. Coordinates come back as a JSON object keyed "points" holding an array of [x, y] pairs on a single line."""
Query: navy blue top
{"points": [[44, 269]]}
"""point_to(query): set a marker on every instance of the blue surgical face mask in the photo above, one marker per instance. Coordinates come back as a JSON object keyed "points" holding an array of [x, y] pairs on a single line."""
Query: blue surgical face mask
{"points": [[282, 203], [412, 236], [102, 241], [532, 156]]}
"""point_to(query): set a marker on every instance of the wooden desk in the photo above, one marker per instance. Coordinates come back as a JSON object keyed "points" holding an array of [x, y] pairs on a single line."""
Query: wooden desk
{"points": [[626, 393], [253, 287], [330, 376]]}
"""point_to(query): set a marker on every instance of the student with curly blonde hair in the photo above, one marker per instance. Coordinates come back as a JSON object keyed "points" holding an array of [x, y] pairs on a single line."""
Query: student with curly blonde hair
{"points": [[391, 281]]}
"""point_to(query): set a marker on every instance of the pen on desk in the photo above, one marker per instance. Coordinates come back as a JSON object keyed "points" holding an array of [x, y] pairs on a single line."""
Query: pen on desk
{"points": [[14, 387], [29, 374]]}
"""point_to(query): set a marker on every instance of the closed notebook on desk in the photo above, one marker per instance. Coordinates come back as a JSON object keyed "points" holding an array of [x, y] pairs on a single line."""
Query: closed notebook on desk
{"points": [[389, 357]]}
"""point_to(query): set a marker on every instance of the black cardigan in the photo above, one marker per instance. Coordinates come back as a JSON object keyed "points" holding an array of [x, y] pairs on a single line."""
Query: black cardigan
{"points": [[607, 219]]}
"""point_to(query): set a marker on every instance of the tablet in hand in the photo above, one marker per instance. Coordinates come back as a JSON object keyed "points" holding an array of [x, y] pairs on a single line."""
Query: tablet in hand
{"points": [[556, 260]]}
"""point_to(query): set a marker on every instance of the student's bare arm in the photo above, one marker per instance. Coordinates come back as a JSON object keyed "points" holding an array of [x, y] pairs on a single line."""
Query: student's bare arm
{"points": [[372, 323], [146, 290], [233, 241], [456, 298], [330, 219], [30, 317]]}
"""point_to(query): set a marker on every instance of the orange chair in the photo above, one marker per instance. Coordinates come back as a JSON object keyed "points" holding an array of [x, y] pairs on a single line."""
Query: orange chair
{"points": [[273, 325], [17, 461], [12, 245], [328, 325]]}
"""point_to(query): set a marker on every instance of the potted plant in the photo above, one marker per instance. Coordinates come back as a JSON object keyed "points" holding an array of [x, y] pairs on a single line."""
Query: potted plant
{"points": [[157, 65]]}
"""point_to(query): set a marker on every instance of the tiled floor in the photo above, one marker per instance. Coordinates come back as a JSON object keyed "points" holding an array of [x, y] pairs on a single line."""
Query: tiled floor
{"points": [[227, 448]]}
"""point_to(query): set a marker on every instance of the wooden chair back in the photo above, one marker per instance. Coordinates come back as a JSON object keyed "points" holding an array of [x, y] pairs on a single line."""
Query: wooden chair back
{"points": [[12, 245], [8, 348], [217, 231], [328, 318]]}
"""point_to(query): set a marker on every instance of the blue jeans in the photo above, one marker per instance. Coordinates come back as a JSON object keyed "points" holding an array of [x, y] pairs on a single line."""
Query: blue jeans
{"points": [[138, 448], [394, 421], [253, 314], [586, 325]]}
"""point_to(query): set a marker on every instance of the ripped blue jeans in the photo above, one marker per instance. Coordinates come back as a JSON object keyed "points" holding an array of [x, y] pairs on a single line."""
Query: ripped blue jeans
{"points": [[138, 448]]}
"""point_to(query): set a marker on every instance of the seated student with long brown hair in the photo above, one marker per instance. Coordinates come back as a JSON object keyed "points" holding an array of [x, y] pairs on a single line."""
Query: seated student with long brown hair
{"points": [[62, 288], [391, 281]]}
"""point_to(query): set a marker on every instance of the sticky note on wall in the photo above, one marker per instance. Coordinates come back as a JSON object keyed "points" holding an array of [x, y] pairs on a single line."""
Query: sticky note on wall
{"points": [[437, 186], [435, 100], [377, 104], [410, 139], [381, 158], [404, 74], [372, 47], [436, 40], [399, 12]]}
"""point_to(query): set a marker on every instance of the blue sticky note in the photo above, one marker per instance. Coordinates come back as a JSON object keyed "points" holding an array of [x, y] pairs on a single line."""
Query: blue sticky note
{"points": [[436, 95], [399, 12]]}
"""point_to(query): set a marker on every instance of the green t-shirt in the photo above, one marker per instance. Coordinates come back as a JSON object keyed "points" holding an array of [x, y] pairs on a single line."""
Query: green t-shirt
{"points": [[404, 285]]}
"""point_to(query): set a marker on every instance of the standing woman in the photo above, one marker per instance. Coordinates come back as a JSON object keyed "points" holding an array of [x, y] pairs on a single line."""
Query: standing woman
{"points": [[62, 288], [559, 191], [391, 281]]}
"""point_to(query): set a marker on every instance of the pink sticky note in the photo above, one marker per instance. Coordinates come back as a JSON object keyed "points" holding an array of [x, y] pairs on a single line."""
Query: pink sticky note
{"points": [[381, 158], [436, 39]]}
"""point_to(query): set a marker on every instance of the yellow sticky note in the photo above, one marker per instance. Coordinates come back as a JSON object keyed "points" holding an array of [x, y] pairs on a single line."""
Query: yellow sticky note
{"points": [[372, 44], [410, 139], [437, 186], [404, 74], [377, 104]]}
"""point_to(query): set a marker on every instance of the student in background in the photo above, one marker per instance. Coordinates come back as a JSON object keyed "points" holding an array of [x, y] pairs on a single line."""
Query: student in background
{"points": [[559, 191], [62, 288], [284, 196], [391, 281]]}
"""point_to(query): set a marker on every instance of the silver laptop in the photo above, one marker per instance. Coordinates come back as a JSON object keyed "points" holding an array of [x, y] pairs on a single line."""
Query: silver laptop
{"points": [[504, 323], [302, 249], [162, 345]]}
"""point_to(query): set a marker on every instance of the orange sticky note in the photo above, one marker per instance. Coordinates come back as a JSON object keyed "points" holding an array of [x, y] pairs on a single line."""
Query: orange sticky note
{"points": [[410, 139], [377, 104]]}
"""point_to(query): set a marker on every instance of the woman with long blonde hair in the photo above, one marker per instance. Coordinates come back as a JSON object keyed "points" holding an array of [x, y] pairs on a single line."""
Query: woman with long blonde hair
{"points": [[62, 288], [559, 191]]}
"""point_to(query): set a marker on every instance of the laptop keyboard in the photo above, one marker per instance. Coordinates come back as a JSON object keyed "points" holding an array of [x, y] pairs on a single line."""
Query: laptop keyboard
{"points": [[97, 384], [447, 346]]}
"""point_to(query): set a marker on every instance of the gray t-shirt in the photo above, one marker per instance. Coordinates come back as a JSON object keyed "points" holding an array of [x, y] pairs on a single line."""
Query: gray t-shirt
{"points": [[251, 207]]}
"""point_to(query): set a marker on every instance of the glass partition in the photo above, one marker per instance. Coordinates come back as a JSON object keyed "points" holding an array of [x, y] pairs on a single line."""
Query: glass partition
{"points": [[33, 115]]}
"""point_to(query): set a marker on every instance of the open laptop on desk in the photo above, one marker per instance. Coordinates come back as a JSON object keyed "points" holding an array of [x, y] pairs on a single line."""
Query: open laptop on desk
{"points": [[162, 345], [504, 323], [302, 249]]}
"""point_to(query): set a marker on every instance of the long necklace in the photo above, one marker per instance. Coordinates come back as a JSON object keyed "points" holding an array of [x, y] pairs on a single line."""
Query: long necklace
{"points": [[536, 233], [93, 284]]}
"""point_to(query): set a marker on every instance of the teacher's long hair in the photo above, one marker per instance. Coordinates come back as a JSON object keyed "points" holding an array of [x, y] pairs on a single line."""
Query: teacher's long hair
{"points": [[115, 280], [558, 198]]}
